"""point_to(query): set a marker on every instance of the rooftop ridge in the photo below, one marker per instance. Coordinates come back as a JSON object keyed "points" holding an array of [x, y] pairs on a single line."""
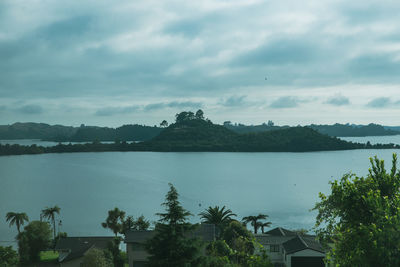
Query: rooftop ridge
{"points": [[302, 240], [280, 229]]}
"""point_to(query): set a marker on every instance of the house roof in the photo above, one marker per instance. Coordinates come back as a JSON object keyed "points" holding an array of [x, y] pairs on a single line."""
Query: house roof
{"points": [[138, 236], [77, 246], [264, 239], [279, 231], [206, 232], [302, 242]]}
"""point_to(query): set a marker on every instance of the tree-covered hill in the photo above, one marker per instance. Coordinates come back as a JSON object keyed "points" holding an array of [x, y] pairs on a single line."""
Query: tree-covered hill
{"points": [[294, 139], [124, 133], [32, 130], [59, 133], [192, 132], [202, 135], [351, 130]]}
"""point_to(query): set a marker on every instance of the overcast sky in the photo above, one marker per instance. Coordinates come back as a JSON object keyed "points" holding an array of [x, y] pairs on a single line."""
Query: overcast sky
{"points": [[119, 62]]}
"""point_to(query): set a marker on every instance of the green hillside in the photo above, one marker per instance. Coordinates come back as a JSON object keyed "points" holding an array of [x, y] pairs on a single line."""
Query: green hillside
{"points": [[202, 135]]}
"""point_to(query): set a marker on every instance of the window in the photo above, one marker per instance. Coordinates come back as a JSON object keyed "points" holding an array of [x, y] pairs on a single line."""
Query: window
{"points": [[274, 248]]}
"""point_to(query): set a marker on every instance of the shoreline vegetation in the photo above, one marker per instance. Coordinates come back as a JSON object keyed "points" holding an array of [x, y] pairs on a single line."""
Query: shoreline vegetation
{"points": [[193, 133], [135, 132]]}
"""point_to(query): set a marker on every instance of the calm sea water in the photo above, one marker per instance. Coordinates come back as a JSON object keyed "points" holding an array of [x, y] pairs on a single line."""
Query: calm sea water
{"points": [[28, 142], [394, 139], [87, 185]]}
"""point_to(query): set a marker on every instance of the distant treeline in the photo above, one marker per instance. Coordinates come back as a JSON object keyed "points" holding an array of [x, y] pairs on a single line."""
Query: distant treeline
{"points": [[338, 130], [59, 133], [353, 130], [135, 132], [202, 135]]}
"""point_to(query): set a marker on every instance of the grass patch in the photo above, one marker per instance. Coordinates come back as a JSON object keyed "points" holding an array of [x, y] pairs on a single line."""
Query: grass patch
{"points": [[48, 255]]}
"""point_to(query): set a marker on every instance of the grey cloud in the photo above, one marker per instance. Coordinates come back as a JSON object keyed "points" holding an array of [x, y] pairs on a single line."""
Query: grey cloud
{"points": [[285, 102], [173, 104], [189, 28], [62, 33], [380, 102], [30, 109], [234, 101], [283, 51], [110, 111], [375, 66], [338, 100]]}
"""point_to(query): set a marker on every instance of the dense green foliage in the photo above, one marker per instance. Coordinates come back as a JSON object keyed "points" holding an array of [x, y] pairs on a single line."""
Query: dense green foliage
{"points": [[220, 217], [35, 238], [95, 258], [237, 247], [8, 256], [202, 135], [350, 130], [17, 218], [255, 221], [123, 133], [192, 132], [361, 217], [331, 130], [115, 221], [50, 214], [139, 224], [61, 133], [170, 245], [242, 129], [32, 130], [114, 252]]}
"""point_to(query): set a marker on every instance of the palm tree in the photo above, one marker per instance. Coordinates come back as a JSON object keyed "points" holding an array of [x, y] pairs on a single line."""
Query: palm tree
{"points": [[264, 224], [254, 221], [217, 216], [50, 213], [17, 218]]}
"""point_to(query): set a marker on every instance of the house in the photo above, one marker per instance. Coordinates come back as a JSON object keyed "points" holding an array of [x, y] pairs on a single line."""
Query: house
{"points": [[290, 249], [72, 249], [135, 242]]}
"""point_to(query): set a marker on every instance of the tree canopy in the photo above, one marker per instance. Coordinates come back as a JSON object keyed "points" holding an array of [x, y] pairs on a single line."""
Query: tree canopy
{"points": [[220, 217], [170, 246], [255, 221], [115, 221], [360, 219], [17, 218], [35, 238], [95, 258], [50, 213], [8, 256]]}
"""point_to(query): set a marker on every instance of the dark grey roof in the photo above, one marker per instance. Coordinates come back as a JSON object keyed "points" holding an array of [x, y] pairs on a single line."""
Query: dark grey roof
{"points": [[279, 231], [264, 239], [302, 242], [138, 236], [77, 246], [206, 232]]}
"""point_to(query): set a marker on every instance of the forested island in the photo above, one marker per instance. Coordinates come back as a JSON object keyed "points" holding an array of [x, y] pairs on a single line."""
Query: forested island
{"points": [[192, 132], [136, 132], [60, 133]]}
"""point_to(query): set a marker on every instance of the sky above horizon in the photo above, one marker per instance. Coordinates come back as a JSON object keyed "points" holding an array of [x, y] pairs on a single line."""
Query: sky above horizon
{"points": [[110, 63]]}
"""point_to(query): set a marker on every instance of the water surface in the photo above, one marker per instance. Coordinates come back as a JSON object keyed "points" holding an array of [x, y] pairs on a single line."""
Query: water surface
{"points": [[87, 185]]}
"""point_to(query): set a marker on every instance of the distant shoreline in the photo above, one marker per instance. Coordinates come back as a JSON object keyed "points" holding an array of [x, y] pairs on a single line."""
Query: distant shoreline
{"points": [[10, 150]]}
